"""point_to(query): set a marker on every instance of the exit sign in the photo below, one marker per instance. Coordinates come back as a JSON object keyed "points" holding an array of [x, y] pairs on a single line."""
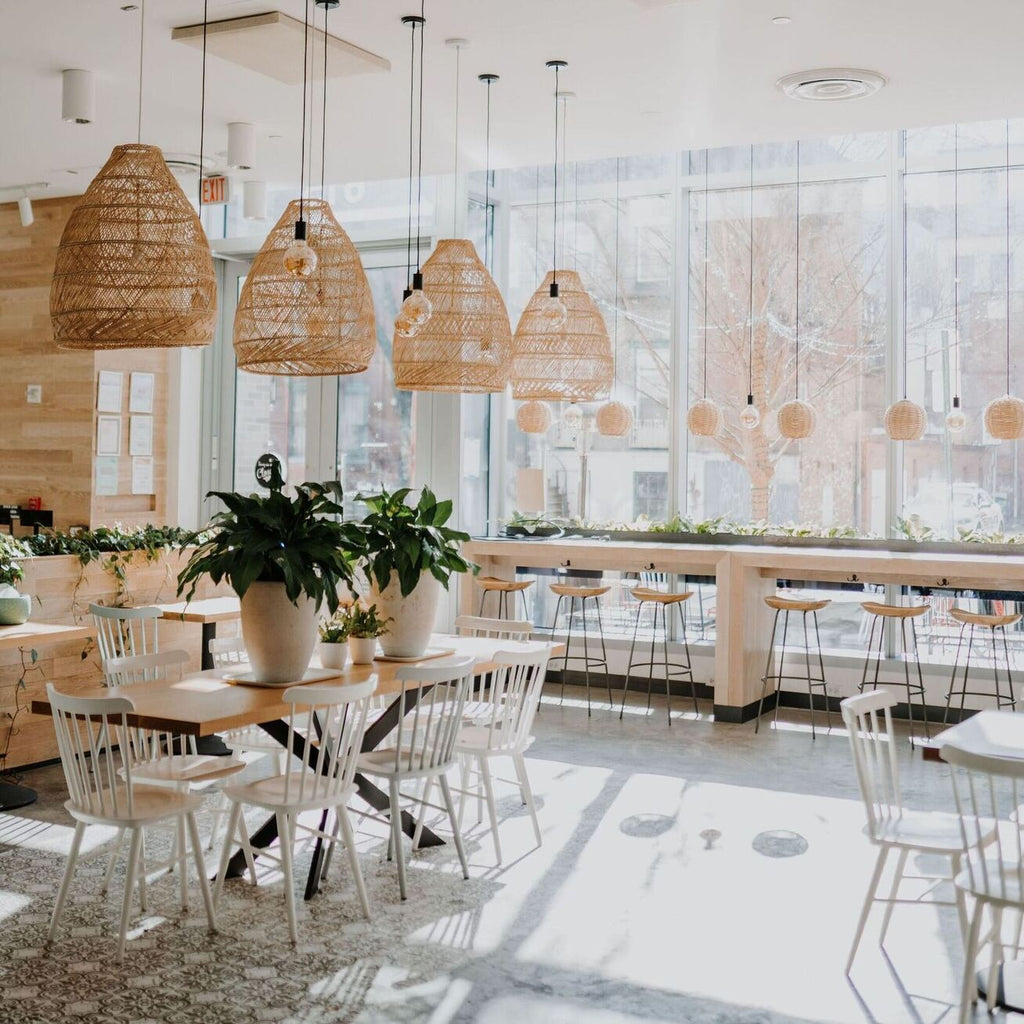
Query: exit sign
{"points": [[215, 190]]}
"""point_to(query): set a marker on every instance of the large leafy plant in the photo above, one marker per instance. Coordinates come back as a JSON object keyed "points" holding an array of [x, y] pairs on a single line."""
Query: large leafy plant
{"points": [[301, 542], [410, 539]]}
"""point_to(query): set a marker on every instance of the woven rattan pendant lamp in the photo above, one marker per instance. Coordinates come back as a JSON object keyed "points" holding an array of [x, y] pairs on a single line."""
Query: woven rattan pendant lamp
{"points": [[1004, 417], [465, 344], [615, 419], [704, 417], [133, 267], [554, 357], [955, 418], [905, 420], [319, 323], [796, 417]]}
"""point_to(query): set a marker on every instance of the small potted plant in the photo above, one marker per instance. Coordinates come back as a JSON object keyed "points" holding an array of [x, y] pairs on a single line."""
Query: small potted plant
{"points": [[364, 626], [333, 647], [409, 555], [285, 558], [15, 607]]}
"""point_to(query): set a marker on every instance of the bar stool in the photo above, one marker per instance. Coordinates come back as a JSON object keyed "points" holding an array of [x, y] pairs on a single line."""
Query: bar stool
{"points": [[503, 588], [993, 623], [879, 614], [784, 606], [659, 600], [583, 595]]}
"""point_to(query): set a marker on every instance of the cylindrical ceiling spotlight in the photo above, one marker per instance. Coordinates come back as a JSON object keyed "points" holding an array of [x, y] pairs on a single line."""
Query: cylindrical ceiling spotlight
{"points": [[25, 211], [241, 145], [78, 96], [254, 200]]}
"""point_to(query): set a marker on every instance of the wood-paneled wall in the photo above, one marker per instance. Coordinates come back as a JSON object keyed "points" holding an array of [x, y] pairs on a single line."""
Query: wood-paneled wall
{"points": [[47, 449]]}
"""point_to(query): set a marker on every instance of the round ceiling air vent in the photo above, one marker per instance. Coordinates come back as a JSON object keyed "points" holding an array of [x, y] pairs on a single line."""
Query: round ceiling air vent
{"points": [[186, 163], [831, 84]]}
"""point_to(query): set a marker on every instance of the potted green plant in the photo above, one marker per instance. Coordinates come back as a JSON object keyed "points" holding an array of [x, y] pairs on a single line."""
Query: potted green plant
{"points": [[333, 646], [285, 558], [364, 627], [15, 607], [409, 555]]}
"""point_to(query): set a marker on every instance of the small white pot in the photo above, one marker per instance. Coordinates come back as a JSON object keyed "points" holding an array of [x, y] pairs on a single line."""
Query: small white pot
{"points": [[412, 617], [333, 655], [362, 649], [279, 636]]}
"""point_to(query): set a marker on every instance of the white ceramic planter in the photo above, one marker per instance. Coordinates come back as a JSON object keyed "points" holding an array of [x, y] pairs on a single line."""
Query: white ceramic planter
{"points": [[333, 655], [412, 617], [362, 649], [279, 636]]}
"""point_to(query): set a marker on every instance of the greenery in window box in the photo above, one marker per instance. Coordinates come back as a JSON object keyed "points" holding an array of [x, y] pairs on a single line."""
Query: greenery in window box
{"points": [[302, 542], [410, 539]]}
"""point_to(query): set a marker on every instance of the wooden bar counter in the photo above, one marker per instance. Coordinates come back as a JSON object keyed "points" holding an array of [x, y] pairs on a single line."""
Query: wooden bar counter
{"points": [[744, 575]]}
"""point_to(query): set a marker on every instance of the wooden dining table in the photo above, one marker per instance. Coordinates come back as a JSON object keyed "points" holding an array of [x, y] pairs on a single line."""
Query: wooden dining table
{"points": [[209, 702]]}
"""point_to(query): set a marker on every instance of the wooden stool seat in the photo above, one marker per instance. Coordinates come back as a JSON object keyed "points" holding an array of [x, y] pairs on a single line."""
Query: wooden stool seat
{"points": [[894, 611], [792, 604], [979, 619], [643, 594], [490, 583], [565, 590]]}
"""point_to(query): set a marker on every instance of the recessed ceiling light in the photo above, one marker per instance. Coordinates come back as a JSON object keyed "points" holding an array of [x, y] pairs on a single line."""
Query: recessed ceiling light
{"points": [[781, 19], [829, 84]]}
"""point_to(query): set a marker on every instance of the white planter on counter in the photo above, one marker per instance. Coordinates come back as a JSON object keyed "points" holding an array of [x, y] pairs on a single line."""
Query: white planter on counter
{"points": [[362, 648], [412, 617], [279, 636]]}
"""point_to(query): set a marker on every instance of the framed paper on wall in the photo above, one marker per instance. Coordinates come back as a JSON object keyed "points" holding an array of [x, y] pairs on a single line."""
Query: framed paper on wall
{"points": [[109, 391], [142, 476], [140, 393], [140, 435], [108, 435]]}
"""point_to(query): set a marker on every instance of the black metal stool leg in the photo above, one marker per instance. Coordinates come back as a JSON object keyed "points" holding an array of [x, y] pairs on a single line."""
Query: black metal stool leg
{"points": [[995, 668], [650, 665], [629, 664], [1009, 671], [689, 663], [767, 674], [526, 609], [952, 677], [920, 681], [586, 650], [963, 685], [867, 660], [483, 597], [807, 665], [604, 654], [782, 664], [664, 652], [821, 666]]}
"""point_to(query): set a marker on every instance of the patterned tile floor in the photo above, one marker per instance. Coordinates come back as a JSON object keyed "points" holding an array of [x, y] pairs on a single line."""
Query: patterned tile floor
{"points": [[631, 911]]}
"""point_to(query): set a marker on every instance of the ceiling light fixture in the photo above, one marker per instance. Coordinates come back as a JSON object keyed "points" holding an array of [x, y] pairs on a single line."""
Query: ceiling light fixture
{"points": [[254, 200], [25, 214], [241, 145], [831, 84], [78, 96], [781, 19]]}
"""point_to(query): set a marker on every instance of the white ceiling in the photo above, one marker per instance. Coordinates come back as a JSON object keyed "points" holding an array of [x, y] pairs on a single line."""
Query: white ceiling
{"points": [[649, 75]]}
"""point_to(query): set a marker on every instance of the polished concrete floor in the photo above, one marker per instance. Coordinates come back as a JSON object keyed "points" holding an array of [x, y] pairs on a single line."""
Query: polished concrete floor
{"points": [[689, 873]]}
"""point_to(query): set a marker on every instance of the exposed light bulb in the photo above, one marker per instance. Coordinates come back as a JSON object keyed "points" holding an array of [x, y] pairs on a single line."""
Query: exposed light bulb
{"points": [[403, 328], [749, 416], [552, 309], [416, 309], [572, 417], [956, 420], [300, 258]]}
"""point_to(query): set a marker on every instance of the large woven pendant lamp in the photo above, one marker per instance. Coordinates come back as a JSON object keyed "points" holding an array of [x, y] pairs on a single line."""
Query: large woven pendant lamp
{"points": [[1004, 417], [905, 420], [955, 418], [615, 419], [797, 417], [133, 267], [465, 344], [319, 322], [561, 350], [704, 417]]}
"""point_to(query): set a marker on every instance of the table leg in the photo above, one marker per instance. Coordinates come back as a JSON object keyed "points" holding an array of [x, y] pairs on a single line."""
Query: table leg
{"points": [[210, 744]]}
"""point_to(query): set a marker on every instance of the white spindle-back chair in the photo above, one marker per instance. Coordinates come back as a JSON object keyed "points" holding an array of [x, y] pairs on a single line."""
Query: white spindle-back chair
{"points": [[104, 791], [890, 826], [125, 632], [989, 795], [322, 778], [433, 698], [499, 629]]}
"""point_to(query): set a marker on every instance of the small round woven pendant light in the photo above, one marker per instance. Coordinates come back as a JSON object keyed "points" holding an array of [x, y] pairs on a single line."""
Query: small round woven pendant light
{"points": [[533, 418], [465, 344], [796, 418], [615, 419], [704, 417], [133, 268], [1004, 417]]}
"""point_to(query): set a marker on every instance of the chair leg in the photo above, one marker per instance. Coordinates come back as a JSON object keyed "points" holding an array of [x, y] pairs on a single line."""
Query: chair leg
{"points": [[901, 865], [492, 810], [463, 785], [129, 885], [112, 862], [225, 854], [396, 834], [204, 885], [353, 859], [69, 870], [968, 991], [286, 836], [459, 848], [524, 785], [179, 828], [995, 956], [767, 674], [427, 788], [869, 897], [961, 902]]}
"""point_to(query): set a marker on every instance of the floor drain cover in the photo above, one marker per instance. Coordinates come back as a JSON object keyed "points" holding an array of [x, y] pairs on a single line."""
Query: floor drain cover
{"points": [[780, 843], [646, 826]]}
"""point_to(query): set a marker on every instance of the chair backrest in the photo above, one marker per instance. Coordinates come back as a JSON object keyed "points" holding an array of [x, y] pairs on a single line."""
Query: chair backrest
{"points": [[144, 668], [427, 730], [513, 696], [335, 716], [228, 650], [124, 632], [91, 768], [500, 629], [989, 791], [874, 755]]}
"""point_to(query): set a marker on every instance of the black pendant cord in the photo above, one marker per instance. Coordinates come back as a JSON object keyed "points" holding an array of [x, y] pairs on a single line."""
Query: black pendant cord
{"points": [[706, 261], [312, 117], [797, 324], [554, 222], [1008, 257], [419, 164], [750, 272], [323, 121], [142, 51], [412, 121], [455, 174], [956, 265], [906, 283], [489, 80], [615, 322], [305, 73], [202, 108], [536, 226]]}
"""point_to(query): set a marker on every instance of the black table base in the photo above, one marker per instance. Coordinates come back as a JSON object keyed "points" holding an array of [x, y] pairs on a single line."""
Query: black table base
{"points": [[13, 796], [210, 744]]}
